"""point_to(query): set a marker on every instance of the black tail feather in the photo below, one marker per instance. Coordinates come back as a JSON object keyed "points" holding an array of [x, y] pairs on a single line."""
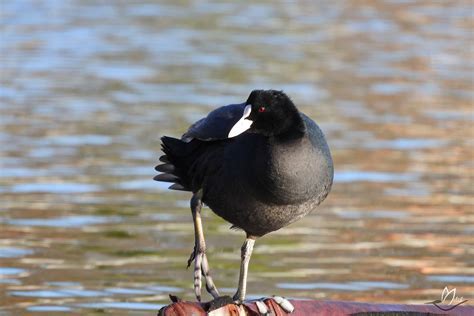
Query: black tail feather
{"points": [[164, 159], [166, 177], [177, 187], [167, 167], [175, 151]]}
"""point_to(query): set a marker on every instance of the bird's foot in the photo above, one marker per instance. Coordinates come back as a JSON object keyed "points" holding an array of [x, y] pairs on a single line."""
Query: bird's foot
{"points": [[265, 306], [201, 268], [284, 304]]}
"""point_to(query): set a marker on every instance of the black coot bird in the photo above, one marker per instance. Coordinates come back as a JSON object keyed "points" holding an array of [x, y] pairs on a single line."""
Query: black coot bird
{"points": [[260, 165]]}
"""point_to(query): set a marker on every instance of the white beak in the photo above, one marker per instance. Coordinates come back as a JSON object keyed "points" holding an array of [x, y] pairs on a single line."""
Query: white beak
{"points": [[243, 124]]}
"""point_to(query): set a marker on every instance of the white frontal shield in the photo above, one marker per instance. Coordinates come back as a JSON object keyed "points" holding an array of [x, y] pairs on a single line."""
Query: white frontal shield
{"points": [[243, 124]]}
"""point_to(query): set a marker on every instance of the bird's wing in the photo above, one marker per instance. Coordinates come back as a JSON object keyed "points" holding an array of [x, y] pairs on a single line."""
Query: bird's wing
{"points": [[216, 125]]}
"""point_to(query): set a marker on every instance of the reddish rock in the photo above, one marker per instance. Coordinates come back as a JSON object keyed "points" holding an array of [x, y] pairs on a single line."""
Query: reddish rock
{"points": [[311, 307]]}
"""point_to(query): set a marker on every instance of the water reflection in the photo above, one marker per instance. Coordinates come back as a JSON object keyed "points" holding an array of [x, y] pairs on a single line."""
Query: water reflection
{"points": [[65, 222], [56, 188], [87, 89], [48, 308], [10, 271], [370, 176], [351, 286], [124, 305], [14, 252]]}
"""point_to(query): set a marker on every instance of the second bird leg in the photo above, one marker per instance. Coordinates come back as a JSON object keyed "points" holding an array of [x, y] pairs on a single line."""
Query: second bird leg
{"points": [[246, 252], [201, 265]]}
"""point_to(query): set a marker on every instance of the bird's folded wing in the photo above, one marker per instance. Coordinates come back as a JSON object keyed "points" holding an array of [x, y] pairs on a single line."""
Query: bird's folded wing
{"points": [[216, 125]]}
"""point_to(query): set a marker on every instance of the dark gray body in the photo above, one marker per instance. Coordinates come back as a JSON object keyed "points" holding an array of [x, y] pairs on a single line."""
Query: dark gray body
{"points": [[273, 184], [258, 183]]}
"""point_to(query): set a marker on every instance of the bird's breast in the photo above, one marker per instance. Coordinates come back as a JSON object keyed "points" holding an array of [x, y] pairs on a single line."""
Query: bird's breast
{"points": [[292, 173]]}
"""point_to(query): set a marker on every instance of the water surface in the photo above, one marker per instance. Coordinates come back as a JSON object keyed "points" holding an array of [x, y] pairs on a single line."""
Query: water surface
{"points": [[88, 87]]}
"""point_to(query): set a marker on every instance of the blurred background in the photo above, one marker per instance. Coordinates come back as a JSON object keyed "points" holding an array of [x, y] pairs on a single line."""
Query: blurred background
{"points": [[88, 87]]}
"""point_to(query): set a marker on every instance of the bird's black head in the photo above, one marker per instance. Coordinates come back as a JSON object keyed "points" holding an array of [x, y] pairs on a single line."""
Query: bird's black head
{"points": [[270, 113]]}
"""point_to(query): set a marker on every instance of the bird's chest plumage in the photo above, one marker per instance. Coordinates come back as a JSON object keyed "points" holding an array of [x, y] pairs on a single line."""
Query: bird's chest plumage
{"points": [[268, 187], [290, 171]]}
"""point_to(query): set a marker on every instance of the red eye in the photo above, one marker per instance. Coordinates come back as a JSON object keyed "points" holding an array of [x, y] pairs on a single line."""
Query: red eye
{"points": [[261, 109]]}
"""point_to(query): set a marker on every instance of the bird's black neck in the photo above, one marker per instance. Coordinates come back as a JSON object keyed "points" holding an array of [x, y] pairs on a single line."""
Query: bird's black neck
{"points": [[294, 129]]}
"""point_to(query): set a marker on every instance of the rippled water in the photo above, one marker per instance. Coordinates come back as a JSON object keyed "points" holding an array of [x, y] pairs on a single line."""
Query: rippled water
{"points": [[88, 87]]}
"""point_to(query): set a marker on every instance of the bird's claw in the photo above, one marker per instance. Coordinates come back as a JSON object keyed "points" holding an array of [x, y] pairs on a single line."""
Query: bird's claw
{"points": [[262, 308], [192, 256], [284, 304]]}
